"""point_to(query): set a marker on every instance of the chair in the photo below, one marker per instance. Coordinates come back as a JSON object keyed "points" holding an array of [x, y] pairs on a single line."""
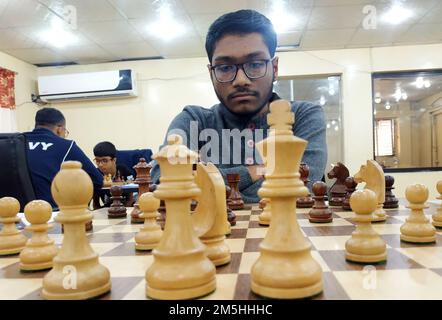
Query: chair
{"points": [[15, 179], [131, 157]]}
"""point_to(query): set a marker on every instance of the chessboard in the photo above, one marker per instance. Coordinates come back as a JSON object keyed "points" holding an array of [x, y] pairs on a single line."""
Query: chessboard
{"points": [[411, 271]]}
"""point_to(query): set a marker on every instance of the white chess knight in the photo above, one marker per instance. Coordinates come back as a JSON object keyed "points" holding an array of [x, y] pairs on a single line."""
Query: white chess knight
{"points": [[372, 174]]}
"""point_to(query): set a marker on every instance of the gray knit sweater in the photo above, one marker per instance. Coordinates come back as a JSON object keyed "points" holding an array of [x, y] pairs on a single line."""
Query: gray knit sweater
{"points": [[211, 132]]}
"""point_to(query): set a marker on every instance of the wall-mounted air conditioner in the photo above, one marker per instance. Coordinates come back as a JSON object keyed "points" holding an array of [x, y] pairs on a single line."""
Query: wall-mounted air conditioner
{"points": [[87, 86]]}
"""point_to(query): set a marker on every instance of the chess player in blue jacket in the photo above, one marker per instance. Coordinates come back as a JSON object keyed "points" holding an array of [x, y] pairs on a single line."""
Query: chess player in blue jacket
{"points": [[47, 148]]}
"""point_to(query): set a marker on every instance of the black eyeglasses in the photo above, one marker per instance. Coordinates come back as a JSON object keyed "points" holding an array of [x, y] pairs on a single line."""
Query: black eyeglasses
{"points": [[253, 69], [102, 160]]}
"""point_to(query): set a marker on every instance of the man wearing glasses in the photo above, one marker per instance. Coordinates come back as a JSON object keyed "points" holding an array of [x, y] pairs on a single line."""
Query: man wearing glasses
{"points": [[106, 160], [48, 148], [241, 50]]}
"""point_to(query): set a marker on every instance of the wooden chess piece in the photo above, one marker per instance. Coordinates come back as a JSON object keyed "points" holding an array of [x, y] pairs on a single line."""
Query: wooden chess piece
{"points": [[88, 226], [210, 217], [265, 216], [350, 185], [161, 216], [391, 201], [117, 209], [437, 217], [118, 177], [262, 204], [365, 245], [77, 272], [143, 180], [40, 250], [338, 189], [320, 212], [372, 174], [12, 241], [307, 201], [107, 181], [231, 216], [417, 228], [235, 199], [150, 234], [180, 268], [285, 268]]}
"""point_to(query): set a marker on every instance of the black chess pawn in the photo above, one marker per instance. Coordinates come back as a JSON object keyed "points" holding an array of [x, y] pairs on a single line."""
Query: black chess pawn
{"points": [[320, 212], [307, 201], [351, 185], [231, 216], [235, 201], [390, 200], [143, 180], [117, 209]]}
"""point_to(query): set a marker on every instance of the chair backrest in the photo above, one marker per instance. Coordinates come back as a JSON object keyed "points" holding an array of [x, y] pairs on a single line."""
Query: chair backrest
{"points": [[131, 157], [15, 179]]}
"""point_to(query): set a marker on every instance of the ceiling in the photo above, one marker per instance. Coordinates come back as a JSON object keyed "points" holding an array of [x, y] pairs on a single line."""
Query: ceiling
{"points": [[110, 30], [387, 86]]}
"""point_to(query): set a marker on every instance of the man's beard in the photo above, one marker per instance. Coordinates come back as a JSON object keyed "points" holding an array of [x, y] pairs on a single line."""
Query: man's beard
{"points": [[249, 114]]}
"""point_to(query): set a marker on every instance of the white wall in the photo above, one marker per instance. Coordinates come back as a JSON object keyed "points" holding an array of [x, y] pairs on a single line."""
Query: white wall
{"points": [[167, 85], [164, 88]]}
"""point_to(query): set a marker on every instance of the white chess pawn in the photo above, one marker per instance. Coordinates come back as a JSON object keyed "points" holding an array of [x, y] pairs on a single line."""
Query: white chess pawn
{"points": [[437, 217], [12, 241], [417, 227], [266, 214], [40, 250], [365, 245], [151, 233]]}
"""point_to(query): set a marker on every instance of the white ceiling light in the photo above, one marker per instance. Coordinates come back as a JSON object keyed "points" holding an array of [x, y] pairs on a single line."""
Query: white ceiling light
{"points": [[374, 112], [336, 128], [398, 94], [322, 101], [427, 83], [331, 91], [328, 125], [404, 95], [166, 27], [377, 98], [419, 82], [397, 14], [281, 19], [58, 36], [387, 105], [333, 122]]}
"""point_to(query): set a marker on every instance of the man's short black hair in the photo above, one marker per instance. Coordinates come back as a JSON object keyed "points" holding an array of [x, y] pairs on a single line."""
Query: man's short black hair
{"points": [[239, 23], [49, 117], [105, 149]]}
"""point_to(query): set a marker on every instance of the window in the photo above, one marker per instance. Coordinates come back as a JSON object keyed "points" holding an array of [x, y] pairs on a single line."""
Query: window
{"points": [[326, 92], [407, 123], [384, 137]]}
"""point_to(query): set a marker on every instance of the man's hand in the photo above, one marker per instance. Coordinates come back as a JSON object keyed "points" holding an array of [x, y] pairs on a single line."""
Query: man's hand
{"points": [[256, 172]]}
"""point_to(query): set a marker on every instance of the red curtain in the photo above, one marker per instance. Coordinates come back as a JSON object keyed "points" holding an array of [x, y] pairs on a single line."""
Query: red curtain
{"points": [[7, 92]]}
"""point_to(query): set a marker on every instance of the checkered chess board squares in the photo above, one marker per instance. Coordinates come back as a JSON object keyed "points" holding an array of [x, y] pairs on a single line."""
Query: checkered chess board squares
{"points": [[412, 271]]}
